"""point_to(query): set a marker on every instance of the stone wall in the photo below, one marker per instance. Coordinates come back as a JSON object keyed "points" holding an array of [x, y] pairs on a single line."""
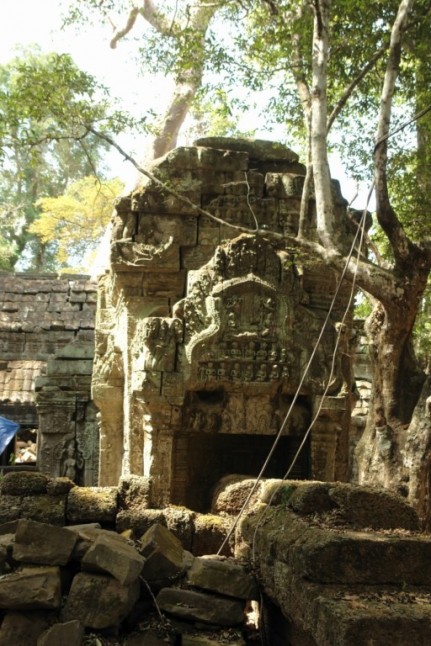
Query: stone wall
{"points": [[337, 564], [203, 333], [46, 350]]}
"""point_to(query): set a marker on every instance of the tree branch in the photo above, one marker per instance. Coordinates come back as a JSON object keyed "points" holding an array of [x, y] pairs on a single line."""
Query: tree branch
{"points": [[353, 85], [120, 33], [157, 19], [386, 216]]}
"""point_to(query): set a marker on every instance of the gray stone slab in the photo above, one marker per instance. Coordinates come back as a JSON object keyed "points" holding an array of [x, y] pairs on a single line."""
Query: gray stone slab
{"points": [[196, 606]]}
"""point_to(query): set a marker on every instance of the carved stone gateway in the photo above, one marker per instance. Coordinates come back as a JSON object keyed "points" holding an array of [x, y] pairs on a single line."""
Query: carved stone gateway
{"points": [[203, 332]]}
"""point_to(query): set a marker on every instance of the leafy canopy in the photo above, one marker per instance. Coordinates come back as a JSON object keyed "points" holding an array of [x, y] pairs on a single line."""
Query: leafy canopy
{"points": [[75, 221], [47, 107]]}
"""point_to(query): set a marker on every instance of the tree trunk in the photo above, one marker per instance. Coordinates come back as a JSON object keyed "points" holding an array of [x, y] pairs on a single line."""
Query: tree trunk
{"points": [[397, 383]]}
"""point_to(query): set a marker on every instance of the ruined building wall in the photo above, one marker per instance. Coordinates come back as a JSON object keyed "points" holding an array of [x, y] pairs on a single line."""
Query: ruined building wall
{"points": [[46, 360], [202, 332]]}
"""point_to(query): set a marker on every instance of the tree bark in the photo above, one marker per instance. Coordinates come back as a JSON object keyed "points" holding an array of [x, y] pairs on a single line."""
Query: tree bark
{"points": [[319, 118]]}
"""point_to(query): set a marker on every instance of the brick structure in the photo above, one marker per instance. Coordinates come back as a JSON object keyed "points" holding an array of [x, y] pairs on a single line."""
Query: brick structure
{"points": [[46, 359]]}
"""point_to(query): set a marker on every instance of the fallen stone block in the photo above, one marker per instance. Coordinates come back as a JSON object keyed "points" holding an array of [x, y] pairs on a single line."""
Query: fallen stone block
{"points": [[163, 552], [209, 535], [112, 554], [87, 535], [8, 528], [148, 638], [24, 628], [92, 504], [222, 575], [59, 486], [202, 640], [134, 492], [5, 551], [31, 589], [24, 483], [197, 606], [44, 508], [69, 634], [113, 600], [139, 520], [43, 544], [10, 508]]}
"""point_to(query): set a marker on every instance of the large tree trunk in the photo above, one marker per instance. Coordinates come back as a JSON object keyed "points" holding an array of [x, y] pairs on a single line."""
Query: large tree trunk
{"points": [[397, 383]]}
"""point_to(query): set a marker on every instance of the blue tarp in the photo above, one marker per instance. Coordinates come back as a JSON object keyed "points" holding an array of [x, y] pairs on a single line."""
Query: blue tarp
{"points": [[8, 429]]}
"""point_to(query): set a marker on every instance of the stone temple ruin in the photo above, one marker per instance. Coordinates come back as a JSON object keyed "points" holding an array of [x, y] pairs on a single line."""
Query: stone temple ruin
{"points": [[202, 336], [203, 332]]}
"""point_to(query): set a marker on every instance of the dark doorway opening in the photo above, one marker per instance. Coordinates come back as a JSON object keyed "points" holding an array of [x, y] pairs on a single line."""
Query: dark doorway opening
{"points": [[200, 460]]}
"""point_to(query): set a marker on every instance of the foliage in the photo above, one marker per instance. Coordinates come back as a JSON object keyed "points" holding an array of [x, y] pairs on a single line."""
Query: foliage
{"points": [[47, 107], [75, 221]]}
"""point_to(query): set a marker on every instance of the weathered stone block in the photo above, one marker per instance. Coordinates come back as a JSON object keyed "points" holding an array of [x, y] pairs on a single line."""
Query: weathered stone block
{"points": [[222, 575], [202, 640], [222, 160], [181, 158], [76, 351], [210, 533], [231, 493], [24, 628], [69, 634], [10, 508], [31, 588], [114, 601], [113, 555], [44, 508], [74, 367], [43, 544], [257, 149], [24, 483], [368, 507], [59, 486], [196, 606], [134, 491], [92, 504], [163, 554]]}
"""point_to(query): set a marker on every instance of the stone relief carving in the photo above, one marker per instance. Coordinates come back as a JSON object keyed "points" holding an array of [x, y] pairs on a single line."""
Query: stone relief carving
{"points": [[72, 461], [155, 343]]}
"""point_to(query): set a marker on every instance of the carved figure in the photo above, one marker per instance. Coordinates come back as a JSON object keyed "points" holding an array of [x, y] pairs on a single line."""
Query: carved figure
{"points": [[250, 351], [73, 462], [261, 374], [248, 372], [235, 374]]}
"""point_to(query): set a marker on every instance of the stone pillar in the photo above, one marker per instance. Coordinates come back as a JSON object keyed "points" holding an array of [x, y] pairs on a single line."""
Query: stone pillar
{"points": [[109, 398]]}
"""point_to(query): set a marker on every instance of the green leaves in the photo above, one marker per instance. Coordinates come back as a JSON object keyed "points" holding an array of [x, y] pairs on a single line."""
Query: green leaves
{"points": [[76, 220], [47, 107]]}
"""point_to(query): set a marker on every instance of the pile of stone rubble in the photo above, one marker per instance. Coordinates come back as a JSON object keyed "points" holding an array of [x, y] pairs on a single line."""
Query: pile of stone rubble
{"points": [[61, 584]]}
